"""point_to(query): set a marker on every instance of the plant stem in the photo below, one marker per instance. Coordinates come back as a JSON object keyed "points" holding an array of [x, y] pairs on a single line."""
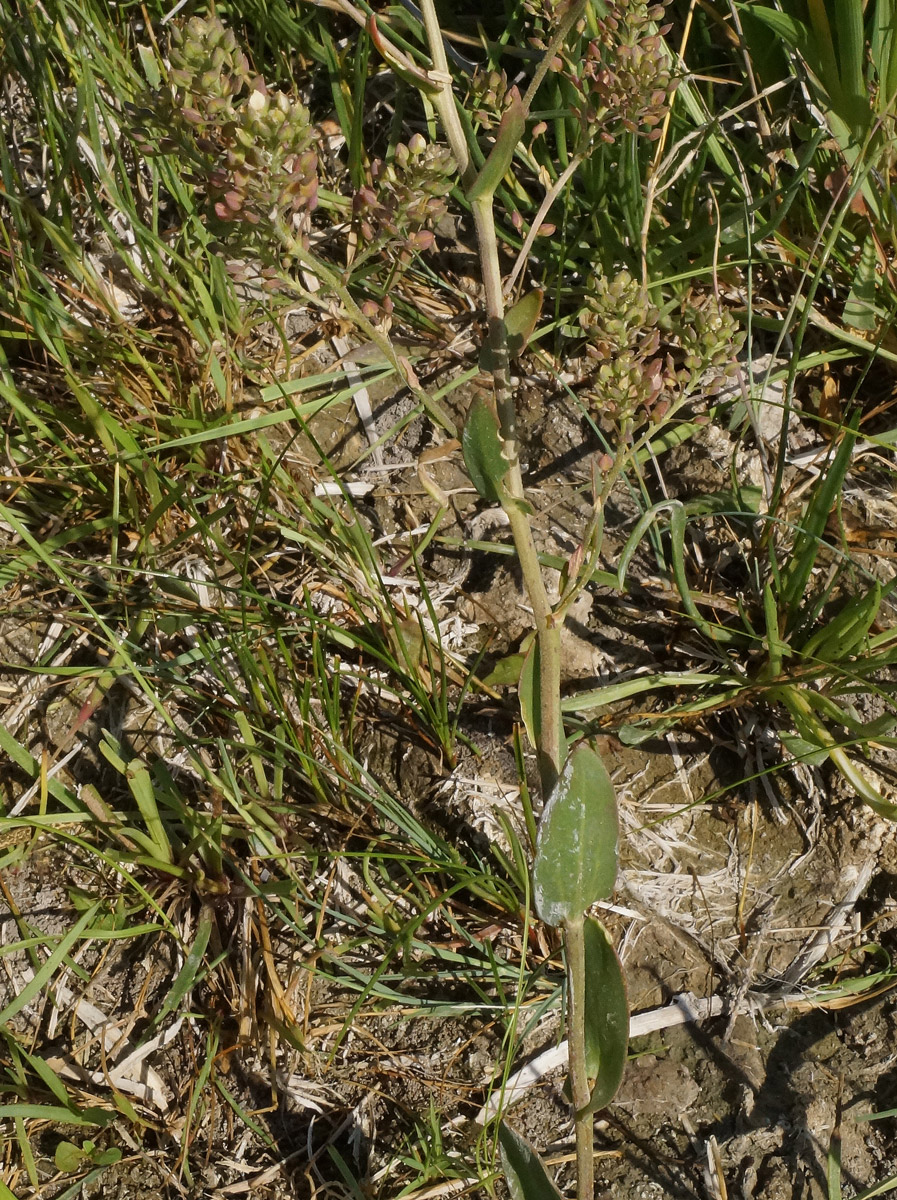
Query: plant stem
{"points": [[484, 221], [443, 97], [560, 36], [547, 627], [550, 196], [574, 940], [594, 535], [548, 631], [322, 271]]}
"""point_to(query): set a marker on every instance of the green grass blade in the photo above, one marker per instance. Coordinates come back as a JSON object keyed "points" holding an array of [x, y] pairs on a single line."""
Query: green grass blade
{"points": [[42, 979], [52, 1112], [808, 538], [851, 44], [187, 977]]}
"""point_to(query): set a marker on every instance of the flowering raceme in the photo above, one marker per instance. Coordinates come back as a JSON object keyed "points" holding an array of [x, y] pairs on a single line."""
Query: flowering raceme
{"points": [[623, 81]]}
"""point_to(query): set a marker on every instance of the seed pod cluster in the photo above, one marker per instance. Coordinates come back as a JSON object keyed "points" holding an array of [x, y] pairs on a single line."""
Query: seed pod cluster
{"points": [[623, 81], [486, 97], [626, 389], [405, 197], [251, 151], [621, 324], [207, 67], [710, 339], [617, 313], [639, 375]]}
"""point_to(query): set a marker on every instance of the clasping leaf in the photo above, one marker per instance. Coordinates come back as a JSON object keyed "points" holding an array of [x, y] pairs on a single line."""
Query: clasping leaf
{"points": [[576, 850]]}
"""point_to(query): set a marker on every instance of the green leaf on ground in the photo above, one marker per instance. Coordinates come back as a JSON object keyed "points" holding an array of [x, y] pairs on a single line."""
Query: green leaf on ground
{"points": [[803, 751], [68, 1157], [506, 671]]}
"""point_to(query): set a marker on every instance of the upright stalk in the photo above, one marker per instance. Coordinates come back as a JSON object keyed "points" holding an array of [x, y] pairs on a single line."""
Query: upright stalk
{"points": [[443, 97], [574, 939], [547, 629], [550, 747]]}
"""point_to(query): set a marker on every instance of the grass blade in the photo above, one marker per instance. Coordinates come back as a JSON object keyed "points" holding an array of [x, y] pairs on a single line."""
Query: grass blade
{"points": [[43, 978]]}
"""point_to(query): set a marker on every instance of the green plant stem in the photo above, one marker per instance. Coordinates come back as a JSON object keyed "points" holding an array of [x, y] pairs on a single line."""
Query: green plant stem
{"points": [[484, 222], [560, 36], [548, 629], [548, 200], [547, 626], [334, 284], [443, 97], [594, 535], [574, 941], [404, 66]]}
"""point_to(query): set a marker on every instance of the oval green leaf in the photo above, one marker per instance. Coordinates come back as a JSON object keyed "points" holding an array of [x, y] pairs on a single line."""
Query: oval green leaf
{"points": [[803, 751], [506, 672], [524, 1170], [606, 1016], [576, 850], [481, 444], [68, 1157]]}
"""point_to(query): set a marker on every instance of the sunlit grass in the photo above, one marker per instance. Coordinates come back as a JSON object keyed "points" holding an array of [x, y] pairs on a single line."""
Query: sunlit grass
{"points": [[203, 657]]}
